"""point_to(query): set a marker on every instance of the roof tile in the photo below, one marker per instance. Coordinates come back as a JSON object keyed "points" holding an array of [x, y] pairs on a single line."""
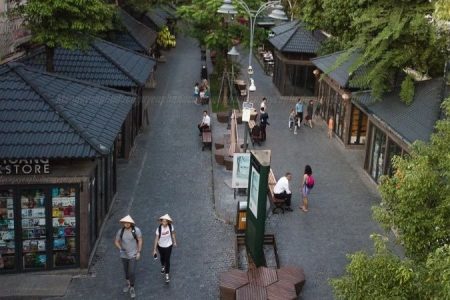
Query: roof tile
{"points": [[59, 117]]}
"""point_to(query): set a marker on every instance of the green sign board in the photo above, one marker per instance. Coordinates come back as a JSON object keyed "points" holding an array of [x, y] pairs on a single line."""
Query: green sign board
{"points": [[257, 201]]}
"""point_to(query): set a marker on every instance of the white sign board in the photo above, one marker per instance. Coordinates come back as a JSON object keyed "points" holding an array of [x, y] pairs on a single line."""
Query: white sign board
{"points": [[241, 168], [254, 191], [246, 114], [247, 105]]}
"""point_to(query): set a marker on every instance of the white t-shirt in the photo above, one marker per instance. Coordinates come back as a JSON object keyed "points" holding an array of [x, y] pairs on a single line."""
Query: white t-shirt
{"points": [[282, 186], [165, 240], [206, 120]]}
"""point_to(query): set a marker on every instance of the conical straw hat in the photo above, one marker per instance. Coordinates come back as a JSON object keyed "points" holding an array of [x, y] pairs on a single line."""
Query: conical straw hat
{"points": [[166, 217], [127, 219]]}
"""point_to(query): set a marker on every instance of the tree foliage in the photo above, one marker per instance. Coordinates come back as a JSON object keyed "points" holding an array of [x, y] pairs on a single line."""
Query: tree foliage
{"points": [[416, 202], [407, 90], [384, 275], [66, 23], [392, 35]]}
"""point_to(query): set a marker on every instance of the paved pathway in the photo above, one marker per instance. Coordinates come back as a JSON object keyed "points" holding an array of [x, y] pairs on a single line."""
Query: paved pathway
{"points": [[169, 174], [339, 218]]}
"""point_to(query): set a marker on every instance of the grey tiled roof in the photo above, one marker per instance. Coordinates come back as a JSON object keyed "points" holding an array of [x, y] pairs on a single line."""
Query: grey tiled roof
{"points": [[156, 19], [298, 39], [162, 13], [413, 122], [44, 115], [102, 62], [145, 36], [170, 10], [284, 27], [340, 74], [126, 40]]}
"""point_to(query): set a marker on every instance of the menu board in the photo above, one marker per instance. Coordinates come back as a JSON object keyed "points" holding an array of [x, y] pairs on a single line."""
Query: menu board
{"points": [[34, 244], [64, 226], [7, 242]]}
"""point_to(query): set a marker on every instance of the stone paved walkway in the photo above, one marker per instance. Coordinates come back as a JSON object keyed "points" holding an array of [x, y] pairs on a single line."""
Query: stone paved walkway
{"points": [[168, 173]]}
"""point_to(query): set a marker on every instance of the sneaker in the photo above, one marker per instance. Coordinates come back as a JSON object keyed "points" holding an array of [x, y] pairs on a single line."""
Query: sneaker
{"points": [[132, 292], [167, 278], [288, 208], [295, 132], [126, 288], [163, 270]]}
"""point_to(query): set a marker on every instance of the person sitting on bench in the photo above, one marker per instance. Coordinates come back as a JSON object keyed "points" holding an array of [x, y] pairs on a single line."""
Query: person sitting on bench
{"points": [[282, 191], [206, 121]]}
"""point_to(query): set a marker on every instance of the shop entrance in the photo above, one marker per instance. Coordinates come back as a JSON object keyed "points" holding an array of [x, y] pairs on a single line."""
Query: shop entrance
{"points": [[38, 228]]}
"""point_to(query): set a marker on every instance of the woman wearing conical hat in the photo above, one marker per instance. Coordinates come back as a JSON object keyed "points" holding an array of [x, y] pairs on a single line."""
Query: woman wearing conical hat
{"points": [[129, 241], [164, 241]]}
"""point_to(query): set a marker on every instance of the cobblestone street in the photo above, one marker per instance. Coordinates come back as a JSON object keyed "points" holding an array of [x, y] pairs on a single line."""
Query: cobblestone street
{"points": [[168, 173]]}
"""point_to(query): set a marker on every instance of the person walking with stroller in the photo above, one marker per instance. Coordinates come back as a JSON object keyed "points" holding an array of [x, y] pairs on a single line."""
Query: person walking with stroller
{"points": [[291, 119], [165, 240], [129, 242], [299, 112]]}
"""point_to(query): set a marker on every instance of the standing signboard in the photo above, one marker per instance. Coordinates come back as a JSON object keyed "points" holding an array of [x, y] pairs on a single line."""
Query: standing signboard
{"points": [[257, 202], [241, 168]]}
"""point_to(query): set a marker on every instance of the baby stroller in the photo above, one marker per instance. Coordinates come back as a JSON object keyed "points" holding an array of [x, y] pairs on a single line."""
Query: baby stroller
{"points": [[256, 135]]}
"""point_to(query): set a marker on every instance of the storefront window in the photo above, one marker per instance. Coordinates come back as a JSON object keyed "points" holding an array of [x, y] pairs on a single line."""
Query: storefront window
{"points": [[34, 243], [7, 241], [64, 226], [393, 149], [358, 127], [377, 153]]}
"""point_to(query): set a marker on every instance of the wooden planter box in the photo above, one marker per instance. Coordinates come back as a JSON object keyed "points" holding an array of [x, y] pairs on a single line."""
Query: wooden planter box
{"points": [[222, 117]]}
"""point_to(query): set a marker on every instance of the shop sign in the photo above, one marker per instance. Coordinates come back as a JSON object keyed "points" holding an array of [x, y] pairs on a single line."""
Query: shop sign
{"points": [[24, 166]]}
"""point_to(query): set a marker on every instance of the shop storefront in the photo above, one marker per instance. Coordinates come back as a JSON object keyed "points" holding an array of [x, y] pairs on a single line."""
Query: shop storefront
{"points": [[380, 153], [29, 213], [393, 126], [294, 46], [57, 167], [334, 93]]}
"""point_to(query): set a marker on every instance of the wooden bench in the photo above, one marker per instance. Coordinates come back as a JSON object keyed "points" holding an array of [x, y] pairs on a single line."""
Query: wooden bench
{"points": [[206, 139], [277, 203]]}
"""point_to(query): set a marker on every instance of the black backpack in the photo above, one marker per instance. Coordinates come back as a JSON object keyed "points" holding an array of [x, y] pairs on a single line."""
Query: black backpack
{"points": [[159, 231], [133, 232]]}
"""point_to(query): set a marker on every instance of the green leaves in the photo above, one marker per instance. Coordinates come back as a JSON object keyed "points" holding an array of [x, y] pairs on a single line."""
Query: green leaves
{"points": [[67, 23], [407, 90], [416, 203]]}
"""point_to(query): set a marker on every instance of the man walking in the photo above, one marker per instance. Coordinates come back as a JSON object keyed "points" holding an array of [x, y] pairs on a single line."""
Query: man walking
{"points": [[263, 123], [299, 112], [129, 242], [281, 190]]}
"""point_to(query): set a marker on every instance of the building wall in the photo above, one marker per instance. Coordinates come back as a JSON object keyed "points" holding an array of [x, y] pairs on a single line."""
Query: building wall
{"points": [[293, 74], [12, 32]]}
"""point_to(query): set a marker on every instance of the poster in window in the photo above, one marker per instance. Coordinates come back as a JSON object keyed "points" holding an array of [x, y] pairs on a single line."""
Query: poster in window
{"points": [[254, 191], [241, 167]]}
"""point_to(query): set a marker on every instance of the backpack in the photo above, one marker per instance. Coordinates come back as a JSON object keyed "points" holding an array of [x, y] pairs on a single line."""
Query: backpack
{"points": [[309, 182], [133, 232], [159, 231]]}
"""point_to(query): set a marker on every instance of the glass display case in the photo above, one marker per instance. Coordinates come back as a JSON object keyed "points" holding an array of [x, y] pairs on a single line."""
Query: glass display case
{"points": [[34, 239], [7, 240], [64, 226]]}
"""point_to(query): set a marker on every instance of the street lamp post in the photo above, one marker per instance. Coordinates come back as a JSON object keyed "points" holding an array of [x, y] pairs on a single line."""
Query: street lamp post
{"points": [[277, 13]]}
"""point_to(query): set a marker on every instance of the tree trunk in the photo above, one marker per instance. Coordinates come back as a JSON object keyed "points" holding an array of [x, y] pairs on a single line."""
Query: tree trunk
{"points": [[50, 55]]}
